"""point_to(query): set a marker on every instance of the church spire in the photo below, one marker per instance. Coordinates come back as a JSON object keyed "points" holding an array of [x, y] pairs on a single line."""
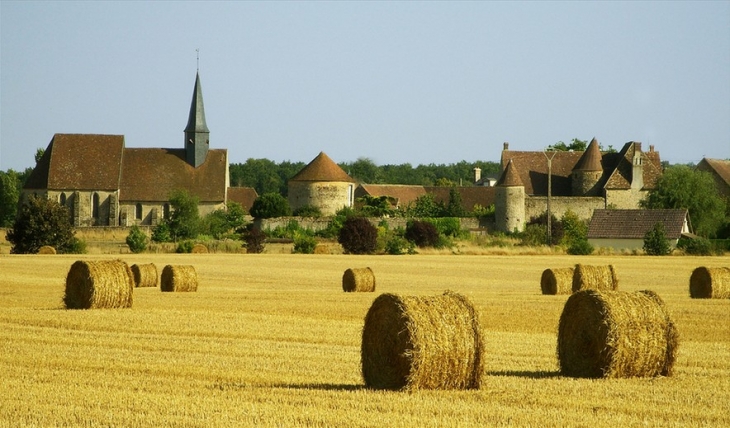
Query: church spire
{"points": [[196, 132]]}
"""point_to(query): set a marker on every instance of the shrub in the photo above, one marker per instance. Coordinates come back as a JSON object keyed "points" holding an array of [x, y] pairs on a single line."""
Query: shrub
{"points": [[534, 235], [422, 233], [41, 222], [656, 242], [358, 236], [556, 227], [255, 240], [308, 211], [76, 246], [447, 226], [696, 247], [161, 233], [185, 247], [335, 225], [580, 247], [137, 240], [270, 205], [397, 245], [304, 243], [184, 221]]}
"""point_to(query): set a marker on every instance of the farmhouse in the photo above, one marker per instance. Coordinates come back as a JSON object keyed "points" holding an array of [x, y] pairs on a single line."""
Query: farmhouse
{"points": [[104, 183], [625, 229]]}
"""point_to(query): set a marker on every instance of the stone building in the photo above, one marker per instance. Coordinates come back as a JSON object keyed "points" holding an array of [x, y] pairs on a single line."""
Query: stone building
{"points": [[322, 184], [104, 183], [720, 171]]}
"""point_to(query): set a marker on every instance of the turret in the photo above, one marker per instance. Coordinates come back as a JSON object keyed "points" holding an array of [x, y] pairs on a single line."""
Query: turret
{"points": [[587, 172], [196, 132], [509, 203]]}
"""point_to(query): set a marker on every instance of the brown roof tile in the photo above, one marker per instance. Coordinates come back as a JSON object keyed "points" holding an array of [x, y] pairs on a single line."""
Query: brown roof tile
{"points": [[404, 193], [633, 224], [510, 177], [79, 162], [591, 159], [243, 195], [622, 173], [470, 196], [322, 168], [720, 171], [533, 171], [152, 174]]}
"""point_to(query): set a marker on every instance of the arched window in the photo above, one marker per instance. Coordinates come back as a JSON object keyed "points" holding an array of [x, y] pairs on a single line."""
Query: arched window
{"points": [[138, 211], [62, 199], [166, 211], [95, 206]]}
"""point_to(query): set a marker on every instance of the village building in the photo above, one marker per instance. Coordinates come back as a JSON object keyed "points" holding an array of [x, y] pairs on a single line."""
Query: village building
{"points": [[321, 184], [626, 229], [720, 171], [104, 183]]}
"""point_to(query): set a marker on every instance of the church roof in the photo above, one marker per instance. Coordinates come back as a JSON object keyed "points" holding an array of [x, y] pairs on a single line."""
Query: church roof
{"points": [[510, 177], [151, 174], [79, 162], [322, 168], [591, 159], [196, 119]]}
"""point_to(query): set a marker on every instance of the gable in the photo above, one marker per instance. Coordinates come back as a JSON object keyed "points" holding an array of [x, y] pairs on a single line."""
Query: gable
{"points": [[633, 224]]}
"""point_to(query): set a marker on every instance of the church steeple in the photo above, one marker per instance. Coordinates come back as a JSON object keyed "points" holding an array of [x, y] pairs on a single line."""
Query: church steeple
{"points": [[196, 132]]}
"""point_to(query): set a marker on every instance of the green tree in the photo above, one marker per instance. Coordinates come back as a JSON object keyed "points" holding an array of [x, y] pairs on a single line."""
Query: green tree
{"points": [[363, 170], [39, 154], [136, 240], [656, 242], [575, 145], [219, 223], [270, 205], [425, 206], [454, 208], [184, 221], [40, 222], [9, 194], [683, 187]]}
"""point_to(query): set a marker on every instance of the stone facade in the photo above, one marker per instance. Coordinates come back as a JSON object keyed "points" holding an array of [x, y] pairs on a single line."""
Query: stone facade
{"points": [[509, 208], [329, 197]]}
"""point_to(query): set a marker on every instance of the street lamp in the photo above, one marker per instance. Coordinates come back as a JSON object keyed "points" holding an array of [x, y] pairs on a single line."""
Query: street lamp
{"points": [[550, 190]]}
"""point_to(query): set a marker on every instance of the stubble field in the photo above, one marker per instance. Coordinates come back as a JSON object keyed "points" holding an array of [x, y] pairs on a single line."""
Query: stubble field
{"points": [[272, 340]]}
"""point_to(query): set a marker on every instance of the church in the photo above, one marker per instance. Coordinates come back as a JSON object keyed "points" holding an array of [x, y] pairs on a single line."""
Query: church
{"points": [[104, 183]]}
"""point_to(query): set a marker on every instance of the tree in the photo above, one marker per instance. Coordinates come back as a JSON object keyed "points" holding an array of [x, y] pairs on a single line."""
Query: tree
{"points": [[656, 242], [358, 236], [270, 205], [40, 222], [683, 187], [576, 145], [136, 240], [363, 170], [221, 222], [9, 194], [425, 206], [39, 154], [184, 221], [454, 208], [422, 233]]}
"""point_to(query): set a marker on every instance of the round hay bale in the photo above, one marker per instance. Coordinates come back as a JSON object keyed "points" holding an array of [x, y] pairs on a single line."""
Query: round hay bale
{"points": [[358, 280], [414, 342], [587, 277], [557, 281], [145, 275], [710, 283], [615, 334], [46, 249], [99, 284], [179, 278], [199, 249]]}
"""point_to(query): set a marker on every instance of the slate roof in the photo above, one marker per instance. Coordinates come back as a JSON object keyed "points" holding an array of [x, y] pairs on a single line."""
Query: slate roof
{"points": [[322, 168], [243, 195], [79, 162], [633, 224], [151, 174]]}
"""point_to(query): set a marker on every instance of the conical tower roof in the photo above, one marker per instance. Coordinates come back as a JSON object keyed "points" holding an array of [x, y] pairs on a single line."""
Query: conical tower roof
{"points": [[322, 168], [510, 177], [591, 159], [196, 120]]}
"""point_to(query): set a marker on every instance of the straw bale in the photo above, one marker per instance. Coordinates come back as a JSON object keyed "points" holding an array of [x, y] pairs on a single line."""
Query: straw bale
{"points": [[199, 249], [46, 249], [358, 279], [99, 284], [145, 275], [710, 283], [557, 281], [416, 342], [179, 278], [616, 334], [587, 277]]}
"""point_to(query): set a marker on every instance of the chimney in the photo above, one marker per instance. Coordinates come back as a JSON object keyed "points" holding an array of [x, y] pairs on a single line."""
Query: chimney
{"points": [[477, 174], [651, 148], [637, 172], [505, 146]]}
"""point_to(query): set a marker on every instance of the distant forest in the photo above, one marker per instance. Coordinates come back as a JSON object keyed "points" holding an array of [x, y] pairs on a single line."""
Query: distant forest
{"points": [[267, 176]]}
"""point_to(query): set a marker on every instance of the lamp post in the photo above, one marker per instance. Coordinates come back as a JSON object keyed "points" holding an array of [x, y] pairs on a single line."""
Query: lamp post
{"points": [[549, 191]]}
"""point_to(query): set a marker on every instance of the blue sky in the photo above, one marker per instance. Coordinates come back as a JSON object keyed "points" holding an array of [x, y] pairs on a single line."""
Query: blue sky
{"points": [[396, 82]]}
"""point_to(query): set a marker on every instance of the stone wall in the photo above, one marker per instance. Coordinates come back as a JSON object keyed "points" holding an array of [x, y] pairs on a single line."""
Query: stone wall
{"points": [[317, 224], [329, 197], [625, 199], [582, 206]]}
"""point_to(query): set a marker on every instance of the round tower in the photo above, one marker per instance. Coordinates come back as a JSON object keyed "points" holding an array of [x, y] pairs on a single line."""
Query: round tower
{"points": [[587, 172], [509, 203], [322, 184]]}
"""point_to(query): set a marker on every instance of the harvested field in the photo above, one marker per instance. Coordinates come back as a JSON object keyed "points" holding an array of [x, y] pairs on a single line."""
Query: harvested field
{"points": [[268, 341]]}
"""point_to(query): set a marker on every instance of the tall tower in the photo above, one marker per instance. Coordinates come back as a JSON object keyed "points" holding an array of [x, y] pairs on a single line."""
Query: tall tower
{"points": [[509, 203], [196, 132], [588, 171]]}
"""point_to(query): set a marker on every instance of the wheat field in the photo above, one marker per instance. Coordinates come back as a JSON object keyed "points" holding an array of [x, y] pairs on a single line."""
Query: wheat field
{"points": [[272, 340]]}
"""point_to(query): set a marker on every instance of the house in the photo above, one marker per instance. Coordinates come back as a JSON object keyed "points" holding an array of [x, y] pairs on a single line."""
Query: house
{"points": [[579, 181], [322, 184], [625, 229], [720, 171], [104, 183]]}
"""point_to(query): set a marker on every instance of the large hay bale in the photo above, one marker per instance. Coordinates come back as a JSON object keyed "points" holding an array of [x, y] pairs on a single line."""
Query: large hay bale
{"points": [[199, 249], [557, 281], [710, 283], [99, 284], [145, 275], [587, 277], [414, 342], [615, 334], [179, 278], [46, 249], [358, 279]]}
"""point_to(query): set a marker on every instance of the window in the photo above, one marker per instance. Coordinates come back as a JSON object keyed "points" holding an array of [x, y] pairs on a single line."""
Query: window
{"points": [[62, 199], [95, 206], [138, 211], [166, 211]]}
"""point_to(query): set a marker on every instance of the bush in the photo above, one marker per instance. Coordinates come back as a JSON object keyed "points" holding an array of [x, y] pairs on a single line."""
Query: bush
{"points": [[656, 242], [304, 243], [580, 247], [270, 205], [696, 247], [534, 235], [185, 247], [41, 222], [184, 221], [161, 233], [556, 227], [335, 225], [255, 240], [288, 232], [308, 211], [77, 246], [358, 236], [422, 233], [137, 240], [397, 245]]}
